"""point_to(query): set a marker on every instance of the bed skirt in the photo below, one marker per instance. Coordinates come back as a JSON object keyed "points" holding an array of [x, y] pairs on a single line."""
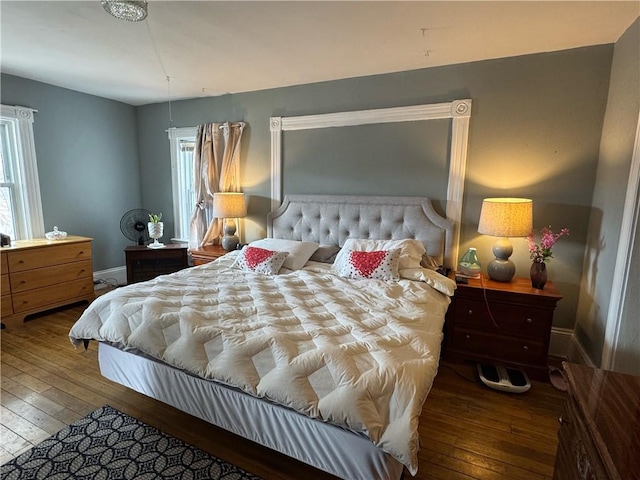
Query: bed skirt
{"points": [[322, 445]]}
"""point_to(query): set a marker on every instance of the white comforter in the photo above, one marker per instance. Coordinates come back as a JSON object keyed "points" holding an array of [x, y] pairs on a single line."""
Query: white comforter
{"points": [[357, 353]]}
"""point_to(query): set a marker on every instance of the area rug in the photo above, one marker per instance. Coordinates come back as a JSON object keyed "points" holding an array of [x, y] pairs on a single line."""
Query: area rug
{"points": [[109, 445]]}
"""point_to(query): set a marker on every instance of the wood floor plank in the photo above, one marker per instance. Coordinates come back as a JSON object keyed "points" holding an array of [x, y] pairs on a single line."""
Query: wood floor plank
{"points": [[31, 396], [12, 443], [22, 427], [30, 413], [467, 431]]}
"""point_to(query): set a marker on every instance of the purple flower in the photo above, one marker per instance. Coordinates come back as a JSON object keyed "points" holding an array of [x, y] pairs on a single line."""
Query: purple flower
{"points": [[542, 252]]}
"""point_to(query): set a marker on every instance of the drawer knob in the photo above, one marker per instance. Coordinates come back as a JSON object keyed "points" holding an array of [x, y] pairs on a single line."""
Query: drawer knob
{"points": [[526, 347], [529, 320], [467, 336], [470, 312], [563, 421]]}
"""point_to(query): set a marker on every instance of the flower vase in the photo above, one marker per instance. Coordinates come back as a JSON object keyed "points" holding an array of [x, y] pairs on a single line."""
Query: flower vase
{"points": [[538, 275], [156, 229]]}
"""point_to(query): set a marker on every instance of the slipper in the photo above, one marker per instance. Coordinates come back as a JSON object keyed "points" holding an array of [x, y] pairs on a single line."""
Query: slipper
{"points": [[556, 377]]}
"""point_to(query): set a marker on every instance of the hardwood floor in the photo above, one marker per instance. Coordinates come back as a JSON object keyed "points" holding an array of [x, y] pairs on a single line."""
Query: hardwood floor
{"points": [[467, 431]]}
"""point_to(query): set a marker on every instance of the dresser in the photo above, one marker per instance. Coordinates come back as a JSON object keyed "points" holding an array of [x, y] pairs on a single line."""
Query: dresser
{"points": [[506, 323], [144, 263], [599, 435], [41, 274]]}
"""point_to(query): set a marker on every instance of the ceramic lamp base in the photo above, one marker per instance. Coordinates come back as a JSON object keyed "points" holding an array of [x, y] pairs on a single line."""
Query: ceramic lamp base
{"points": [[229, 240]]}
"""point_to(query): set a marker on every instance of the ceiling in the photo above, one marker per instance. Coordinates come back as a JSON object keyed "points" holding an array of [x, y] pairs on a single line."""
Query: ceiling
{"points": [[215, 47]]}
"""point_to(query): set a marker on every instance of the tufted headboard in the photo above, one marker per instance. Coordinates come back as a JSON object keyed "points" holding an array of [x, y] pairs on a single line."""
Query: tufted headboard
{"points": [[331, 219]]}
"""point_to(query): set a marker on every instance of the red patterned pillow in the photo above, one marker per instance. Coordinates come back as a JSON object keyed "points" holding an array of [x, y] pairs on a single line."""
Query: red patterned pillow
{"points": [[380, 264], [260, 260]]}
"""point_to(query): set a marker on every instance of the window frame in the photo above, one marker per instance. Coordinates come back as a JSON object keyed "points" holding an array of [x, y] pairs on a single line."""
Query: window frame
{"points": [[27, 211], [176, 136]]}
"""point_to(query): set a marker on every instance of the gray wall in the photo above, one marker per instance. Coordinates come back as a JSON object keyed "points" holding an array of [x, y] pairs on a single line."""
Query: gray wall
{"points": [[616, 149], [87, 154], [535, 132]]}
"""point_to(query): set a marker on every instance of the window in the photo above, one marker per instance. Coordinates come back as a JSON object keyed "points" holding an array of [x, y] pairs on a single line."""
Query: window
{"points": [[183, 142], [20, 204]]}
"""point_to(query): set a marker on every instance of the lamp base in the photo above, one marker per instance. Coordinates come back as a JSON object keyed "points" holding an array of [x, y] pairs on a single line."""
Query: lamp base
{"points": [[501, 270], [230, 242]]}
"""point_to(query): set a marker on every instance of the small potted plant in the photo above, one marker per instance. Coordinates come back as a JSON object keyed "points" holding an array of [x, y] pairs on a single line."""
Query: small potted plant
{"points": [[156, 229]]}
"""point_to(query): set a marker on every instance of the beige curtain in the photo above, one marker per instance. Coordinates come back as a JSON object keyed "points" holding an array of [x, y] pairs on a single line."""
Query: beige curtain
{"points": [[216, 169]]}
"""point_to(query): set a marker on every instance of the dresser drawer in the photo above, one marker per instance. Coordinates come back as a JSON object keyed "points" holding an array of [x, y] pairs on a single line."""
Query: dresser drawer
{"points": [[3, 262], [507, 349], [5, 286], [52, 255], [523, 321], [7, 307], [60, 292], [43, 277]]}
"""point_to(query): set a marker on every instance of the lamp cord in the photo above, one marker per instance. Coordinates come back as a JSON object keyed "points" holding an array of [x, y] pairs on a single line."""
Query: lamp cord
{"points": [[486, 301]]}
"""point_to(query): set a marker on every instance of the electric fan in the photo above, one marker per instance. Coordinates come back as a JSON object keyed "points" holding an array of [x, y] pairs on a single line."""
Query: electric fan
{"points": [[134, 225]]}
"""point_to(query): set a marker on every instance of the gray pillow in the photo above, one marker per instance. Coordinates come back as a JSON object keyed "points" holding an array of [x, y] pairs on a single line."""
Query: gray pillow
{"points": [[325, 254]]}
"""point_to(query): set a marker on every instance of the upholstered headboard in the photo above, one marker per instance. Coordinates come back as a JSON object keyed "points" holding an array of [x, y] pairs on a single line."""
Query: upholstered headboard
{"points": [[331, 219]]}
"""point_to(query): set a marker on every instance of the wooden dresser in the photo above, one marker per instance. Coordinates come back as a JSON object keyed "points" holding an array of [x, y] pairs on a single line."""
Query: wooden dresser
{"points": [[41, 274], [514, 329], [599, 436]]}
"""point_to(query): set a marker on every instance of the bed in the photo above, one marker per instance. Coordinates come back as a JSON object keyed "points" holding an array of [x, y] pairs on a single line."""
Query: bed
{"points": [[324, 366]]}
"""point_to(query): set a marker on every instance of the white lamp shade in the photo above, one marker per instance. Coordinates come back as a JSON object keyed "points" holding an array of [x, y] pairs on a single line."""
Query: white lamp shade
{"points": [[506, 217], [229, 205]]}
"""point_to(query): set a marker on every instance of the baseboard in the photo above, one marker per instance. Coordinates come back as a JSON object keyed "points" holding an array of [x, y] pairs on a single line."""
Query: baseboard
{"points": [[113, 276], [578, 354], [560, 342]]}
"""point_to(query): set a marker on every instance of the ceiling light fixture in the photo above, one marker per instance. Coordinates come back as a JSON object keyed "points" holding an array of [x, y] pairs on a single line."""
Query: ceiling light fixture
{"points": [[129, 10]]}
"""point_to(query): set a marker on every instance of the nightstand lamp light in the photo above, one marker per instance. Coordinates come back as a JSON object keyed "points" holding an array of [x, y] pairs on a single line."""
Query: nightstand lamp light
{"points": [[505, 217], [228, 206]]}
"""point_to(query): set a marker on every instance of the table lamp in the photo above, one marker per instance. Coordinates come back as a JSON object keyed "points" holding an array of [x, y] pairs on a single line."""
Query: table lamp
{"points": [[228, 206], [505, 217]]}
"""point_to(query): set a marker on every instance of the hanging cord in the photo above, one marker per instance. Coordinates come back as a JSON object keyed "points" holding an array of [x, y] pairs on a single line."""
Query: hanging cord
{"points": [[486, 301], [164, 70]]}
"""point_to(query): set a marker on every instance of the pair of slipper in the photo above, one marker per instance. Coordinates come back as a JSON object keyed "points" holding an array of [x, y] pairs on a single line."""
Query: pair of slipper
{"points": [[556, 377]]}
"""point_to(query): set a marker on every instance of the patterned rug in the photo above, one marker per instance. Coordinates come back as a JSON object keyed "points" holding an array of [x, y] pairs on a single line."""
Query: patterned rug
{"points": [[109, 445]]}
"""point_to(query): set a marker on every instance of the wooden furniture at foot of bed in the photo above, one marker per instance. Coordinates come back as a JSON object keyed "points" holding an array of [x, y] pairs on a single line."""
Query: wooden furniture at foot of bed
{"points": [[598, 436], [41, 274]]}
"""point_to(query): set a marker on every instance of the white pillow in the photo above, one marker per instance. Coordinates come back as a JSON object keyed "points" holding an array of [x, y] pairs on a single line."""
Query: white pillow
{"points": [[411, 251], [299, 252], [380, 264], [260, 260]]}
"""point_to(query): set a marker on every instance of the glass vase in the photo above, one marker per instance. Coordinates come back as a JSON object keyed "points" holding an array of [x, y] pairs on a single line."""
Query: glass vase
{"points": [[469, 264], [538, 275]]}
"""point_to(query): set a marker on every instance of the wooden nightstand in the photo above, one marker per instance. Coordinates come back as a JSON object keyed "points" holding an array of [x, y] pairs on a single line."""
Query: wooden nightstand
{"points": [[520, 335], [206, 254], [144, 263]]}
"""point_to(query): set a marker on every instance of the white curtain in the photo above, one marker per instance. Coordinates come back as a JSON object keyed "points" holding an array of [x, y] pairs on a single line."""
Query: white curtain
{"points": [[216, 169]]}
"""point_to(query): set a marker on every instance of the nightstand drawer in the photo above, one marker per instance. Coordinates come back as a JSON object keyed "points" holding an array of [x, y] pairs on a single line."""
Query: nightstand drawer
{"points": [[507, 349], [526, 322]]}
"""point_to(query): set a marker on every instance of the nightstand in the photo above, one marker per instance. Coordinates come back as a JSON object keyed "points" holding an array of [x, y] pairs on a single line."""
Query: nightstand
{"points": [[517, 336], [206, 254], [144, 263]]}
